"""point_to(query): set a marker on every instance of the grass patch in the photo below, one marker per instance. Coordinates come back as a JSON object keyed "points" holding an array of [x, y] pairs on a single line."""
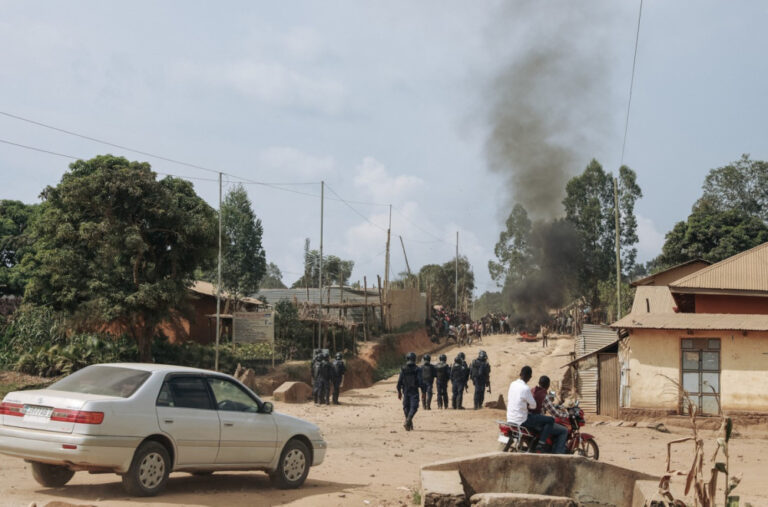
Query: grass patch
{"points": [[416, 498]]}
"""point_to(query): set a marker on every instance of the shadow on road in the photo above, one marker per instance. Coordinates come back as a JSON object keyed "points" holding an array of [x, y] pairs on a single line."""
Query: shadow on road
{"points": [[222, 488]]}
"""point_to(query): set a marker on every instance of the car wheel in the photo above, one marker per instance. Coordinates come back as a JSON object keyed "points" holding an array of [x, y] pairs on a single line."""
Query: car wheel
{"points": [[149, 470], [293, 468], [51, 476]]}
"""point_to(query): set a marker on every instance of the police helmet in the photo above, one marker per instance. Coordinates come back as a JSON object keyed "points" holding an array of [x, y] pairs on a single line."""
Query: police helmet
{"points": [[482, 355], [462, 355], [427, 358], [326, 355], [457, 360], [410, 357], [338, 355], [443, 357]]}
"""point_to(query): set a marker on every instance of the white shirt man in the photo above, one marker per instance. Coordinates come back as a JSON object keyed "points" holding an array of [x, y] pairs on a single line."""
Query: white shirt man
{"points": [[519, 400]]}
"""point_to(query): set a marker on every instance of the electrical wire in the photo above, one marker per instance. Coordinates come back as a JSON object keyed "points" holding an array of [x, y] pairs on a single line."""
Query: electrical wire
{"points": [[33, 148], [631, 82], [353, 209]]}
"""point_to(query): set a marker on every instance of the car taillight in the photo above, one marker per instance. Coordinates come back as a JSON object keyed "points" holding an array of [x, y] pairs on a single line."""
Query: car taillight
{"points": [[14, 409], [77, 416]]}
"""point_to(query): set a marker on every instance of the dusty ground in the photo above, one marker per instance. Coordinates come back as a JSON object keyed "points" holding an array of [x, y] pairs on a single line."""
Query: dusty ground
{"points": [[373, 461]]}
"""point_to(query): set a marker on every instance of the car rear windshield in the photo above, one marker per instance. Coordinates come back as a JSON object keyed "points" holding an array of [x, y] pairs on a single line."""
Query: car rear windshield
{"points": [[104, 380]]}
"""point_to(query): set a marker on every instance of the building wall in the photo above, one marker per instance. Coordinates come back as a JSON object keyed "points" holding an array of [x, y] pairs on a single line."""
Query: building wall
{"points": [[407, 305], [706, 303], [743, 366]]}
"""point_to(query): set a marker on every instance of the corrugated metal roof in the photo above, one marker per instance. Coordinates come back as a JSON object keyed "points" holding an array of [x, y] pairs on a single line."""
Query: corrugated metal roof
{"points": [[685, 267], [347, 296], [656, 298], [745, 271], [698, 321], [594, 337], [208, 289]]}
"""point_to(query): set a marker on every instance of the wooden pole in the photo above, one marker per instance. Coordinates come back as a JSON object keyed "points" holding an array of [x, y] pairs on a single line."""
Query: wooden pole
{"points": [[365, 310], [618, 247], [381, 301]]}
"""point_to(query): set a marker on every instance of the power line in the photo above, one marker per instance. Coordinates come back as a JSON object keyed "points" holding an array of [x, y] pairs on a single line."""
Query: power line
{"points": [[631, 81], [33, 148], [353, 209], [437, 238]]}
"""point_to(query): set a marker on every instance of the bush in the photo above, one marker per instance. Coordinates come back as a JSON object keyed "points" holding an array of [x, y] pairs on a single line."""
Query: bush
{"points": [[193, 354]]}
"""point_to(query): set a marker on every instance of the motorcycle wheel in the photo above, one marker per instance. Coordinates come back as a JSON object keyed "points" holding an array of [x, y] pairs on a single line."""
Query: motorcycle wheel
{"points": [[589, 450]]}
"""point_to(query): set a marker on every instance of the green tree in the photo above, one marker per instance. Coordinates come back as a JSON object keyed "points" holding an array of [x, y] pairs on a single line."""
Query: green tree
{"points": [[711, 234], [441, 280], [741, 185], [589, 205], [15, 243], [513, 250], [115, 245], [273, 279], [292, 337], [243, 259], [335, 270]]}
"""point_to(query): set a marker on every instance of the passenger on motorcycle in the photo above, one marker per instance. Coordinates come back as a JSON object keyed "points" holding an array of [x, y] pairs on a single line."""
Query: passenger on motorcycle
{"points": [[544, 406], [520, 400]]}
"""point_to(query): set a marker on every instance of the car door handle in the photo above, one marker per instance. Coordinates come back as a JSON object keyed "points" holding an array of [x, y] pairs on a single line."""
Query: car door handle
{"points": [[229, 424], [168, 421]]}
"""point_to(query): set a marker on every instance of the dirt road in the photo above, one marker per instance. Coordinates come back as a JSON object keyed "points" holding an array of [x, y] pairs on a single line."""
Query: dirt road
{"points": [[373, 461]]}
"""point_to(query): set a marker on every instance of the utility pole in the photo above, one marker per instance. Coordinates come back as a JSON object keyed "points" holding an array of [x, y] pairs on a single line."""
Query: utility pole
{"points": [[618, 247], [407, 266], [218, 291], [456, 282], [320, 315], [386, 267]]}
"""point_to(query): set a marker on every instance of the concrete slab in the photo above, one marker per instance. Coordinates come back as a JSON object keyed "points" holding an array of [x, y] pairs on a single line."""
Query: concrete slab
{"points": [[293, 392], [442, 488], [520, 500]]}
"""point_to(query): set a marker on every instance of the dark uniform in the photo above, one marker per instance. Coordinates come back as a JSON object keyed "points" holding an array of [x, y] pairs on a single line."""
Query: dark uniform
{"points": [[324, 379], [316, 388], [339, 369], [481, 377], [465, 368], [409, 383], [442, 374], [428, 373], [457, 383]]}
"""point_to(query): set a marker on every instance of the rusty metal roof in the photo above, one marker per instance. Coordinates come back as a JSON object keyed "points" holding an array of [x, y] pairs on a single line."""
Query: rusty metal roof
{"points": [[209, 289], [747, 271], [653, 299], [696, 321], [673, 273]]}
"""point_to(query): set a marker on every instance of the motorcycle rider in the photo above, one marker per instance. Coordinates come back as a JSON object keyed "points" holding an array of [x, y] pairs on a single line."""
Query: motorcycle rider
{"points": [[481, 377], [409, 383], [428, 373], [442, 374], [339, 369], [458, 378], [545, 406], [520, 400]]}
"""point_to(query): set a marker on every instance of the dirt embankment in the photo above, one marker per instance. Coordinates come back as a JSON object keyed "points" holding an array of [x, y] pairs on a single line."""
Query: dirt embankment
{"points": [[385, 352]]}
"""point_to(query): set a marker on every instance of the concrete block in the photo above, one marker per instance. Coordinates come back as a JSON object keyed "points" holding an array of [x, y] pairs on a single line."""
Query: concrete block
{"points": [[520, 500], [293, 392], [442, 488], [498, 404]]}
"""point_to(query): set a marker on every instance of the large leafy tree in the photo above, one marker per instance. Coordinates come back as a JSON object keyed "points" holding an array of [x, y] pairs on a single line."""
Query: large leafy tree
{"points": [[15, 243], [115, 245], [273, 279], [244, 262], [589, 205], [441, 281], [336, 271], [513, 250], [711, 234], [741, 185]]}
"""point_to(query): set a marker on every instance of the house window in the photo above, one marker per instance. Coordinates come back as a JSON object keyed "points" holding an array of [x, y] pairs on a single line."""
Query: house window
{"points": [[700, 369]]}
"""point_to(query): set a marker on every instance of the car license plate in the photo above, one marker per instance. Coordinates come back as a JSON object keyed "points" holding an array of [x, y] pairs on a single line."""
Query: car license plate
{"points": [[37, 411], [503, 439]]}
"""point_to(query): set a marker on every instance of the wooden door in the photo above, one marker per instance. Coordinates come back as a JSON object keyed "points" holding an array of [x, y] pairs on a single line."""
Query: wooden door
{"points": [[608, 403]]}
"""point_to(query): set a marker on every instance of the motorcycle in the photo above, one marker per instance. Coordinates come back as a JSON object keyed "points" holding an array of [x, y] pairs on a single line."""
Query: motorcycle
{"points": [[516, 438]]}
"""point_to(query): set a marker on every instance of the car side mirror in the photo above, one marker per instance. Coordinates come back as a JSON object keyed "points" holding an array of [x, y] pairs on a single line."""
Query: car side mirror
{"points": [[267, 408]]}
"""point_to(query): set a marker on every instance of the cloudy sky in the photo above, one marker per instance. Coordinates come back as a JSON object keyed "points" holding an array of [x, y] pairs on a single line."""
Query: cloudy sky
{"points": [[450, 111]]}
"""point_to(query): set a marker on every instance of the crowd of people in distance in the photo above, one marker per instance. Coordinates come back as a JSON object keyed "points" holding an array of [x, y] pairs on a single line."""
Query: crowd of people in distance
{"points": [[461, 329]]}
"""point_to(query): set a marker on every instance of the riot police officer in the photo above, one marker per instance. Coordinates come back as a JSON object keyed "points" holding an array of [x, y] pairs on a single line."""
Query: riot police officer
{"points": [[481, 377], [457, 383], [315, 370], [428, 376], [324, 378], [442, 373], [339, 369], [465, 369], [409, 383]]}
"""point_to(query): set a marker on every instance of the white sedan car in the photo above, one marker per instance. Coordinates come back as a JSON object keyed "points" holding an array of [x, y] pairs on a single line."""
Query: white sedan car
{"points": [[143, 421]]}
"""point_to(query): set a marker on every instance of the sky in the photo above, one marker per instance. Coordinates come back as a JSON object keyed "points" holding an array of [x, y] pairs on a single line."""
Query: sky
{"points": [[388, 103]]}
